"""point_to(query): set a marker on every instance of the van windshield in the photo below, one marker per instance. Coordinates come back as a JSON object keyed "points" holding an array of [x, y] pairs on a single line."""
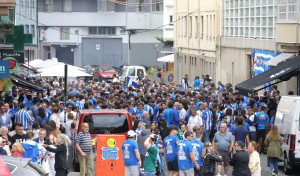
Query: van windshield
{"points": [[124, 71], [109, 124]]}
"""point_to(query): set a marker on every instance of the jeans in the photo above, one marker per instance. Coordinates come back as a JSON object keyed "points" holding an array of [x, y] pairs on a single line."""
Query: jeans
{"points": [[86, 165], [252, 136], [164, 170], [206, 136], [273, 161], [149, 173], [261, 133]]}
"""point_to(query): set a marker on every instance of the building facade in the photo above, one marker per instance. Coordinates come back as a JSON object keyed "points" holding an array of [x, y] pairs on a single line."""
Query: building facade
{"points": [[196, 28], [100, 31], [26, 14], [259, 25], [7, 18]]}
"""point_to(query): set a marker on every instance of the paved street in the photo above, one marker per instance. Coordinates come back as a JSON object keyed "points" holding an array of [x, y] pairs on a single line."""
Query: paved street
{"points": [[264, 167]]}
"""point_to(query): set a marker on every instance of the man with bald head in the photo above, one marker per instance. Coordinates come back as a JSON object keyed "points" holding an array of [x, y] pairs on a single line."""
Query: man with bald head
{"points": [[84, 150], [174, 115]]}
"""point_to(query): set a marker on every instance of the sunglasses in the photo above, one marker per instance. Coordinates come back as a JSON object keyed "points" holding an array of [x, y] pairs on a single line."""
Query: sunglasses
{"points": [[4, 141]]}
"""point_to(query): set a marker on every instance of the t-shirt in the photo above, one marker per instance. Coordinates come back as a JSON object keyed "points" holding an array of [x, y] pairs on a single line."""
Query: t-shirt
{"points": [[240, 133], [223, 142], [180, 134], [197, 84], [85, 143], [184, 148], [262, 118], [170, 145], [18, 138], [197, 152], [128, 148], [150, 158]]}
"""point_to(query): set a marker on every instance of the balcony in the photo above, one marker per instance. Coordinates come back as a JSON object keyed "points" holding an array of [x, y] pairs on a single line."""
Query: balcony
{"points": [[5, 5]]}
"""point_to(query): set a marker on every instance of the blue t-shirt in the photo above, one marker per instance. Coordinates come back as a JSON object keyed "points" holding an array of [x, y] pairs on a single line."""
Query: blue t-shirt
{"points": [[240, 133], [197, 151], [197, 84], [184, 148], [207, 117], [166, 115], [170, 145], [132, 111], [272, 120], [262, 118], [128, 148]]}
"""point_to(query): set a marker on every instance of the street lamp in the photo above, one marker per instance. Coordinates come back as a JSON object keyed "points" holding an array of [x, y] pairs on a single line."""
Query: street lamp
{"points": [[156, 48]]}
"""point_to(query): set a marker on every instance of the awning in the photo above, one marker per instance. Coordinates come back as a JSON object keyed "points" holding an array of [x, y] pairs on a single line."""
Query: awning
{"points": [[168, 58], [168, 49], [280, 58], [283, 72], [18, 81]]}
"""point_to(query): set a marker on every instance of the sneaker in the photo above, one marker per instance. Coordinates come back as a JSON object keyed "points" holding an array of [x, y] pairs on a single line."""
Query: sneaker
{"points": [[218, 174], [273, 172]]}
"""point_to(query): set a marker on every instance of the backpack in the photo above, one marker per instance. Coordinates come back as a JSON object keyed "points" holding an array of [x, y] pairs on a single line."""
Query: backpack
{"points": [[158, 74]]}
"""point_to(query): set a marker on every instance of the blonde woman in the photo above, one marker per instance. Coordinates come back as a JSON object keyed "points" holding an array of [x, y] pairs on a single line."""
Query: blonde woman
{"points": [[209, 160], [273, 142], [254, 159], [17, 149]]}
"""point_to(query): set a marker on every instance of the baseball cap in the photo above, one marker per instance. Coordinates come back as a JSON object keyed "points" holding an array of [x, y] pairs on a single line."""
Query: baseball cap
{"points": [[131, 133]]}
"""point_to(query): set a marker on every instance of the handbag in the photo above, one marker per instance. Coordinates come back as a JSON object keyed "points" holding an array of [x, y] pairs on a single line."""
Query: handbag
{"points": [[46, 166]]}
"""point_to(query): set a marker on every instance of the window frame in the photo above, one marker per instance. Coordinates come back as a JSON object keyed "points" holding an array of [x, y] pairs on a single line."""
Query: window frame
{"points": [[64, 35], [157, 7]]}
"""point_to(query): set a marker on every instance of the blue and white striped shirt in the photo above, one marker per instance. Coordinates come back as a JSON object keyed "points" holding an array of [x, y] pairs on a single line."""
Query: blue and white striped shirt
{"points": [[207, 117], [24, 117]]}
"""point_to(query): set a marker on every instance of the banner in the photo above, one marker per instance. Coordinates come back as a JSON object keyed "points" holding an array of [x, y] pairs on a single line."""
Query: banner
{"points": [[261, 57], [7, 52]]}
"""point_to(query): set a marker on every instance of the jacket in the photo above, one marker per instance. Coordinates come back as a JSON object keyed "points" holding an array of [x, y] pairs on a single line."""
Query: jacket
{"points": [[209, 164], [60, 156], [240, 162], [141, 139], [254, 163], [7, 121], [274, 146], [2, 151]]}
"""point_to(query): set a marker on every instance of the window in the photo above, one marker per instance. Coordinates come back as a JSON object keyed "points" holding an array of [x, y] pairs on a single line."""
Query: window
{"points": [[49, 5], [158, 6], [67, 5], [202, 27], [171, 20], [33, 30], [109, 124], [22, 13], [106, 6], [197, 26], [92, 30], [191, 26], [249, 18], [287, 10], [140, 70], [27, 10], [139, 7], [26, 29], [33, 9], [131, 72], [106, 30], [65, 33]]}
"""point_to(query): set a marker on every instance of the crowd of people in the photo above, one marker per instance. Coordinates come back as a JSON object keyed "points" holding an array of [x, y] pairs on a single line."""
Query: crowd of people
{"points": [[194, 128]]}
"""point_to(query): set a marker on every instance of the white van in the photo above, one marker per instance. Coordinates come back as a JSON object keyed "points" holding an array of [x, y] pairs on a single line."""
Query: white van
{"points": [[132, 72], [287, 120]]}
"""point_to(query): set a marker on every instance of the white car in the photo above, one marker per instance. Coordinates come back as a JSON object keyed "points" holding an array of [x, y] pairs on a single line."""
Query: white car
{"points": [[288, 122], [132, 72]]}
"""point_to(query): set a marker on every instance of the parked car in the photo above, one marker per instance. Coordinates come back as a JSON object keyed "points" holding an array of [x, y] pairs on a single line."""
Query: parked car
{"points": [[101, 121], [22, 166], [132, 72], [104, 73], [288, 122]]}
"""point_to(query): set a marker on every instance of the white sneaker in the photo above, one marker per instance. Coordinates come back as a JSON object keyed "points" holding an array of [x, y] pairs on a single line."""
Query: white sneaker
{"points": [[218, 174]]}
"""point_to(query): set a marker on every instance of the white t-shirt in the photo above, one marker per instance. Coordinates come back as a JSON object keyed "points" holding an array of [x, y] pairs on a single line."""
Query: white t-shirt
{"points": [[3, 117], [252, 128], [194, 121]]}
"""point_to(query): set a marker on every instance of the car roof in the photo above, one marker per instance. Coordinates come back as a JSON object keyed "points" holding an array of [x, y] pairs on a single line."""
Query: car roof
{"points": [[134, 66], [104, 66], [16, 160], [103, 111]]}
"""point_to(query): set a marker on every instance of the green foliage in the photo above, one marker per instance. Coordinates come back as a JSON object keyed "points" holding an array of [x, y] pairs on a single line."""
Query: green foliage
{"points": [[151, 71], [160, 39], [6, 84]]}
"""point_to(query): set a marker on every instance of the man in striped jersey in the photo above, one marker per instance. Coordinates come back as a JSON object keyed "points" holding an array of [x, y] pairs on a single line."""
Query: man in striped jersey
{"points": [[24, 117], [207, 121]]}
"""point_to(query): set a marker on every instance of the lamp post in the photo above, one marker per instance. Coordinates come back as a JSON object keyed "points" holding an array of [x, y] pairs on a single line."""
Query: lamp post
{"points": [[156, 48]]}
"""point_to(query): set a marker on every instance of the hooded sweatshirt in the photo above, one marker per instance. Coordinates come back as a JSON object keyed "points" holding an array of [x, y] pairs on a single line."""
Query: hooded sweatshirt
{"points": [[32, 149], [141, 139]]}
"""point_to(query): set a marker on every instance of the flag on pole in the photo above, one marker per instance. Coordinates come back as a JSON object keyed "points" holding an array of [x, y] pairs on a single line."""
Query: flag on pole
{"points": [[130, 82]]}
